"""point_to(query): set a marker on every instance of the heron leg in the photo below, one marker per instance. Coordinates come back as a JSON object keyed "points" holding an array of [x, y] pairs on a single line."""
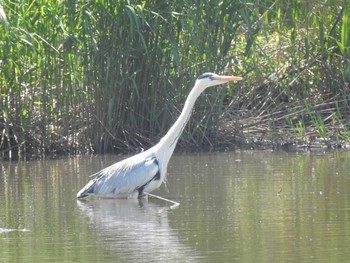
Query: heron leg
{"points": [[142, 188]]}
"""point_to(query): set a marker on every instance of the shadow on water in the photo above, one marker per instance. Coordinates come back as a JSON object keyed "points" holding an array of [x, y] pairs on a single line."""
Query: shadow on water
{"points": [[137, 230]]}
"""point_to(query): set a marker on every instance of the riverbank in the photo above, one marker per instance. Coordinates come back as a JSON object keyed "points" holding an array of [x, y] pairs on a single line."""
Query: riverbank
{"points": [[230, 136]]}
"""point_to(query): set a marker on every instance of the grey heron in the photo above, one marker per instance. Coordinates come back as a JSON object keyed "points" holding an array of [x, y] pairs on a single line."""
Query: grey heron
{"points": [[146, 171]]}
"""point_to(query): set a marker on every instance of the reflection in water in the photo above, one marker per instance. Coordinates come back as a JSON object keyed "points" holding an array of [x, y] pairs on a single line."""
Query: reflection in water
{"points": [[262, 206], [235, 207], [8, 230], [137, 230]]}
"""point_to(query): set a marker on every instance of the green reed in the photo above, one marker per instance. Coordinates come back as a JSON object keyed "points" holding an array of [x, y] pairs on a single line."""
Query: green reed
{"points": [[110, 76]]}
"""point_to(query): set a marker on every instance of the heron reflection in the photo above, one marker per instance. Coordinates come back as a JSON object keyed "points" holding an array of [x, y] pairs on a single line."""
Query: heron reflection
{"points": [[136, 230]]}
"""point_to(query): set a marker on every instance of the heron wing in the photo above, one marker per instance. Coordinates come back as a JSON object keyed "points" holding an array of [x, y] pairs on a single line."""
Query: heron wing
{"points": [[123, 178]]}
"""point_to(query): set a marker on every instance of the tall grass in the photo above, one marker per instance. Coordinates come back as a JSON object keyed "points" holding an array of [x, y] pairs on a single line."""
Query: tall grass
{"points": [[296, 61], [110, 76]]}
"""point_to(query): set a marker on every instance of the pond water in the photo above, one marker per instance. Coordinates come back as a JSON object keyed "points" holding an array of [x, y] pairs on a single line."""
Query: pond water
{"points": [[246, 206]]}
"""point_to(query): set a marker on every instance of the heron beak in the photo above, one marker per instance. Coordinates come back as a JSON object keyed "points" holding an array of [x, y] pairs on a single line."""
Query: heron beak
{"points": [[229, 78]]}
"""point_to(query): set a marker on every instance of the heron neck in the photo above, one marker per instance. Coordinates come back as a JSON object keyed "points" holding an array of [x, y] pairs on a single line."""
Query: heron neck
{"points": [[169, 141]]}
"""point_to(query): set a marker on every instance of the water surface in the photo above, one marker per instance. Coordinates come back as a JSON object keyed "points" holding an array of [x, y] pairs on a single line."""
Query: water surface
{"points": [[234, 207]]}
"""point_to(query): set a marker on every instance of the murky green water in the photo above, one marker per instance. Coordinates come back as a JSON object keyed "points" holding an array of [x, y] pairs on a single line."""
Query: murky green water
{"points": [[235, 207]]}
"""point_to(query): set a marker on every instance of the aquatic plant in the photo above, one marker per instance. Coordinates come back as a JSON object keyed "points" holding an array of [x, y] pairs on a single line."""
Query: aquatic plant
{"points": [[111, 76]]}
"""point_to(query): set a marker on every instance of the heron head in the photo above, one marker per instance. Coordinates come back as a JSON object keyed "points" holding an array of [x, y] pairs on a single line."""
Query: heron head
{"points": [[211, 79]]}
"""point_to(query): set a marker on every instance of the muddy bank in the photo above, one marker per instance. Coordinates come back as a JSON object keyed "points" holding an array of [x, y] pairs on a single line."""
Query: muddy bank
{"points": [[224, 140]]}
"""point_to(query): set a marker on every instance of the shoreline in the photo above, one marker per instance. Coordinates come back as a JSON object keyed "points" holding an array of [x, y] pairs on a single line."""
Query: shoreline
{"points": [[253, 143]]}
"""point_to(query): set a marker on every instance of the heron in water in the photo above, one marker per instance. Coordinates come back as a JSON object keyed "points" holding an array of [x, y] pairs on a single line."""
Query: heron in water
{"points": [[146, 171]]}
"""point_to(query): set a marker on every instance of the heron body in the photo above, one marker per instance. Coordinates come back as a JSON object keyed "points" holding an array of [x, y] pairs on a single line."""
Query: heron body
{"points": [[126, 179], [146, 171]]}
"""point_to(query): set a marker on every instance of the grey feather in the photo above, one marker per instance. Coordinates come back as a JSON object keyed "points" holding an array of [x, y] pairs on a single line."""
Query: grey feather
{"points": [[123, 179]]}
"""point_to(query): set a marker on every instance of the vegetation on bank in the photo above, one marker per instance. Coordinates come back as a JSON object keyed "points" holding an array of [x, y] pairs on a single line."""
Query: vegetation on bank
{"points": [[111, 76]]}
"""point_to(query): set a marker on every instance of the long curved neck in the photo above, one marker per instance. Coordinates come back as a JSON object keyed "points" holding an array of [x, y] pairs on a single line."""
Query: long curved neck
{"points": [[169, 141]]}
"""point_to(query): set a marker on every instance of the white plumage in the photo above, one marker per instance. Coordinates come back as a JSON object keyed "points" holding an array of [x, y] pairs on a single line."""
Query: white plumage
{"points": [[146, 171]]}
